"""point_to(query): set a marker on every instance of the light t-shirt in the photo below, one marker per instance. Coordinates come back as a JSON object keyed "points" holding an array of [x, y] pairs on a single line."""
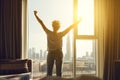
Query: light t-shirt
{"points": [[54, 40]]}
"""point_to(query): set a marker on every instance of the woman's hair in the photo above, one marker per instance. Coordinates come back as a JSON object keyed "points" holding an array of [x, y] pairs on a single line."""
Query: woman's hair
{"points": [[56, 23]]}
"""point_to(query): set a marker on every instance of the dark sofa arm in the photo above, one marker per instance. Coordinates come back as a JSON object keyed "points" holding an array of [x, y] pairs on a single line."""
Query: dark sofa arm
{"points": [[15, 66], [29, 63]]}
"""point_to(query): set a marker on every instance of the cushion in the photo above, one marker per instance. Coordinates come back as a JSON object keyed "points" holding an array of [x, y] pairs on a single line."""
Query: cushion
{"points": [[13, 66]]}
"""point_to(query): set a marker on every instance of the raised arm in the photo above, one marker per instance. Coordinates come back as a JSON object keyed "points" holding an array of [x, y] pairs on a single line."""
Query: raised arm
{"points": [[71, 26], [40, 21]]}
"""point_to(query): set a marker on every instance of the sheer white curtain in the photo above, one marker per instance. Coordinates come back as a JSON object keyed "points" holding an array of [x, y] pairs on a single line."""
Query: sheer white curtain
{"points": [[100, 24]]}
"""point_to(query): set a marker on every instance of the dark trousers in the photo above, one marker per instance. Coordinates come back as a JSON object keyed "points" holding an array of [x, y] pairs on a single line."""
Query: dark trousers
{"points": [[54, 56]]}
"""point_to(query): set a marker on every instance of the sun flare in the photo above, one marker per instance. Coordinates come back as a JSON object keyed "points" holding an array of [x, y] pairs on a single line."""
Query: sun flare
{"points": [[86, 11]]}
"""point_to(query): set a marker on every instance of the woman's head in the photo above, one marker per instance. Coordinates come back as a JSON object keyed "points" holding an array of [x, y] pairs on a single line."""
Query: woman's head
{"points": [[56, 25]]}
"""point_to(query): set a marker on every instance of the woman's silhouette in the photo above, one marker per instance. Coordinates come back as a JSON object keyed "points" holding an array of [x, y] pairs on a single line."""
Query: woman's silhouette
{"points": [[54, 44]]}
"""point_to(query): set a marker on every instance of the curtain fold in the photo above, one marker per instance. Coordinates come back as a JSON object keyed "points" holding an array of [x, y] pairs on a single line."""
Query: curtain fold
{"points": [[10, 29], [112, 40], [100, 23], [107, 23]]}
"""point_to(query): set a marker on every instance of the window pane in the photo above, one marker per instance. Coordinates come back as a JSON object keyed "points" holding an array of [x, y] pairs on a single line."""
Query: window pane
{"points": [[85, 57], [49, 10], [86, 11]]}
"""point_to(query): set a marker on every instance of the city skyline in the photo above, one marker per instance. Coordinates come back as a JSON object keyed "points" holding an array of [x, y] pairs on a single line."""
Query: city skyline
{"points": [[36, 35], [37, 41]]}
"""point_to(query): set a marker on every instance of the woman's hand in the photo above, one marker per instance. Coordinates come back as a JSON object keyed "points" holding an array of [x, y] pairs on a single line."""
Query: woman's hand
{"points": [[35, 12], [79, 20]]}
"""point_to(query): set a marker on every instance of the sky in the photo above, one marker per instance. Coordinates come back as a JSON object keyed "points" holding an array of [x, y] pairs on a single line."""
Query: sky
{"points": [[49, 10]]}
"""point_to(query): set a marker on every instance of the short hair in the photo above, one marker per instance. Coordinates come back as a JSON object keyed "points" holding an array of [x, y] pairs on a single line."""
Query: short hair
{"points": [[56, 23]]}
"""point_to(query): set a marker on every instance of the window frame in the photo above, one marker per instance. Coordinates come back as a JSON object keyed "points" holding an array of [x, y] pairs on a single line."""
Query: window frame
{"points": [[25, 35], [83, 37]]}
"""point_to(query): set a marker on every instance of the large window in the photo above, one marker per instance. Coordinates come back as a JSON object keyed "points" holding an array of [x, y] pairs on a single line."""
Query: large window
{"points": [[80, 52], [85, 39], [86, 10], [49, 10]]}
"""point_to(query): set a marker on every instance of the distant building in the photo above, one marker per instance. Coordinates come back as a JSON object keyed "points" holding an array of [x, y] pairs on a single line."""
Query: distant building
{"points": [[68, 49], [41, 56]]}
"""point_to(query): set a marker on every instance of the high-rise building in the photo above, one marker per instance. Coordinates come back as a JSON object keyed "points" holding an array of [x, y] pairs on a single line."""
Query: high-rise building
{"points": [[30, 53], [33, 53], [37, 56], [68, 49], [41, 54], [45, 54]]}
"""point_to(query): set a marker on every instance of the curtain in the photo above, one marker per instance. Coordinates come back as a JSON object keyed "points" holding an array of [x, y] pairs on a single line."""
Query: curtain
{"points": [[107, 23], [10, 29], [100, 24], [112, 38]]}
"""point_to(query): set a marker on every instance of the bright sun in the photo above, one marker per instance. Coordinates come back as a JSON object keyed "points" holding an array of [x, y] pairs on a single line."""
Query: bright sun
{"points": [[86, 11]]}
